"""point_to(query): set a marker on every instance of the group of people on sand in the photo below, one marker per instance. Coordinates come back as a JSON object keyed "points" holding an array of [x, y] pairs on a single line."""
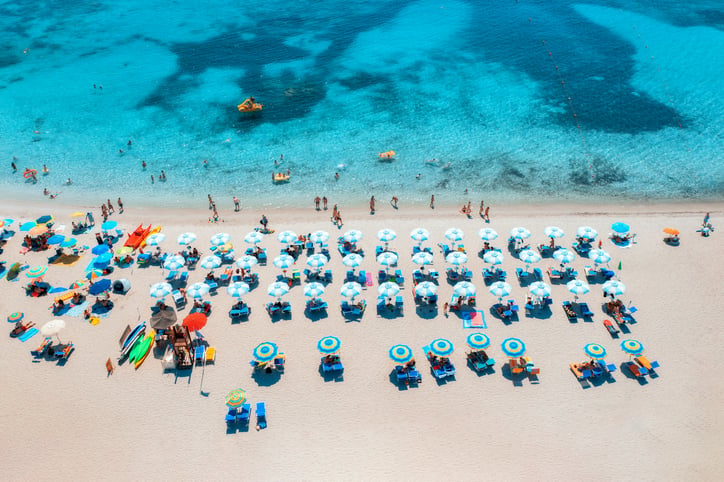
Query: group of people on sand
{"points": [[336, 217], [107, 208], [323, 200]]}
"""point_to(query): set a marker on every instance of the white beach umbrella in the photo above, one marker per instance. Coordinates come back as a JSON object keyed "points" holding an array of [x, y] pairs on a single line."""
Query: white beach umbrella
{"points": [[286, 237], [387, 259], [494, 257], [210, 262], [454, 234], [422, 258], [174, 262], [456, 258], [319, 237], [186, 238], [528, 256], [246, 262], [317, 260], [351, 289], [277, 289], [160, 290], [540, 289], [283, 261], [314, 290], [52, 328], [564, 256], [254, 237], [352, 236], [487, 234], [237, 289], [500, 289], [578, 287], [352, 260], [388, 289], [198, 290], [464, 288], [520, 233], [587, 232], [219, 239], [614, 287], [155, 239], [386, 235], [420, 235], [554, 232], [426, 288], [599, 256]]}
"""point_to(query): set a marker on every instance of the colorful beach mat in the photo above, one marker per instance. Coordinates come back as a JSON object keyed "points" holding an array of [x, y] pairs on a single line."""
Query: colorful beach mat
{"points": [[77, 310], [369, 281], [29, 333], [474, 319]]}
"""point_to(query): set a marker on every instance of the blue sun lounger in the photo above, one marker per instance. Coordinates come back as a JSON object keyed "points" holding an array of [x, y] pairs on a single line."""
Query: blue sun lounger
{"points": [[231, 416], [245, 413], [261, 415], [402, 376]]}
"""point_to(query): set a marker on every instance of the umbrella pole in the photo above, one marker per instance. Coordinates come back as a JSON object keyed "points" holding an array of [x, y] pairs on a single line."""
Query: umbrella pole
{"points": [[203, 370]]}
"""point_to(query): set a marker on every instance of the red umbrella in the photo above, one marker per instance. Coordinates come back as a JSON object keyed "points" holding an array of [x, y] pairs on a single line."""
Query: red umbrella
{"points": [[195, 321]]}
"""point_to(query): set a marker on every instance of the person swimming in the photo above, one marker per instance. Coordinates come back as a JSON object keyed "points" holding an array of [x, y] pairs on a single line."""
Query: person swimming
{"points": [[45, 169]]}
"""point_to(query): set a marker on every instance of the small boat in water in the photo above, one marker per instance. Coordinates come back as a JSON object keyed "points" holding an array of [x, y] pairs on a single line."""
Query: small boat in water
{"points": [[249, 106]]}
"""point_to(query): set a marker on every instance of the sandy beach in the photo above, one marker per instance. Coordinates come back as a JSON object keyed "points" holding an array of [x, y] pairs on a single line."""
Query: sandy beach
{"points": [[73, 420]]}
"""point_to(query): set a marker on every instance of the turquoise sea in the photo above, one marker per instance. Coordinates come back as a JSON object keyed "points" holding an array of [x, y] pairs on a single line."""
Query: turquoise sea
{"points": [[516, 101]]}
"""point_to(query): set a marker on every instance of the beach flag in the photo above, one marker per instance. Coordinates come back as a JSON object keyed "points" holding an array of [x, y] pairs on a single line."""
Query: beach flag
{"points": [[619, 265]]}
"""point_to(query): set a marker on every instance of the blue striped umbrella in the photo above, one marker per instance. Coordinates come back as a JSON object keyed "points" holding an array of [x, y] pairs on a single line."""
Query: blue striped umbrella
{"points": [[621, 228], [100, 249], [456, 258], [254, 237], [454, 234], [587, 233], [487, 234], [540, 289], [314, 290], [513, 347], [554, 232], [284, 261], [426, 288], [528, 257], [353, 236], [277, 289], [599, 256], [319, 237], [317, 260], [632, 347], [329, 345], [578, 287], [160, 290], [387, 259], [69, 243], [388, 289], [441, 347], [464, 288], [174, 262], [198, 290], [237, 289], [210, 262], [220, 239], [55, 239], [400, 353], [614, 287], [500, 289], [155, 239], [108, 225], [564, 256], [265, 351], [351, 289], [246, 262], [478, 341], [386, 235], [595, 351], [420, 235], [494, 257], [422, 258], [352, 260], [286, 237], [520, 233], [186, 238]]}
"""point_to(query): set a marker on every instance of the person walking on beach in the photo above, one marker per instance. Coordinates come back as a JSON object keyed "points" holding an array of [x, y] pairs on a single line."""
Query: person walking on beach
{"points": [[334, 214], [110, 207], [104, 212], [120, 206], [264, 221], [706, 219], [316, 202], [372, 205], [481, 213], [237, 205], [432, 201], [211, 201], [324, 202], [394, 202], [487, 214]]}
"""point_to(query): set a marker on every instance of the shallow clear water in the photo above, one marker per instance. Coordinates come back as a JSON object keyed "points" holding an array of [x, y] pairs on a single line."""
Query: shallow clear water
{"points": [[527, 100]]}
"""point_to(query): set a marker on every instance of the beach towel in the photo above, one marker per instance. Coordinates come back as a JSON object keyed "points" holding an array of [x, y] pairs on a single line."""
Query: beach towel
{"points": [[29, 333], [474, 319], [77, 310], [369, 279]]}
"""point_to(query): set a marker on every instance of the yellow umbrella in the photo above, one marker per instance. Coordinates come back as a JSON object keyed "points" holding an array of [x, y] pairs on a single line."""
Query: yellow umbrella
{"points": [[77, 214], [124, 250]]}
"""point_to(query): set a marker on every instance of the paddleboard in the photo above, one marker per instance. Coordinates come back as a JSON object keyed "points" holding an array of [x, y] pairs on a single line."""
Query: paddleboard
{"points": [[131, 339], [144, 348]]}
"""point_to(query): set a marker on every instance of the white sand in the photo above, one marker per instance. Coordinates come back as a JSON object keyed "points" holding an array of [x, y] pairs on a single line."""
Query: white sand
{"points": [[73, 421]]}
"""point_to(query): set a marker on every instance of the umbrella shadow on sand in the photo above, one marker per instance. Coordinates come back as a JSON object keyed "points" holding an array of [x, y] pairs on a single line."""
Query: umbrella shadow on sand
{"points": [[427, 311], [516, 378], [336, 376], [264, 378]]}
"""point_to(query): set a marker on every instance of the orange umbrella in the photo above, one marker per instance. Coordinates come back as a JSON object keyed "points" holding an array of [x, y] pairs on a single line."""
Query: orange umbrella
{"points": [[38, 230], [195, 321], [671, 231]]}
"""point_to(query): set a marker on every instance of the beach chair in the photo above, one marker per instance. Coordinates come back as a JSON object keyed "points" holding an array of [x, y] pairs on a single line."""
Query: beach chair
{"points": [[273, 308], [381, 276], [178, 298], [568, 309], [520, 274], [357, 310], [183, 277], [585, 311], [378, 250], [64, 351], [644, 362], [231, 416], [417, 276], [296, 276], [399, 278], [171, 275], [210, 354], [44, 346], [286, 308], [244, 414], [635, 370], [328, 276], [362, 278], [398, 302], [432, 300], [538, 274], [346, 308], [199, 354], [402, 376], [434, 275], [262, 256], [261, 415], [279, 362], [349, 276], [488, 275], [512, 306], [439, 372]]}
